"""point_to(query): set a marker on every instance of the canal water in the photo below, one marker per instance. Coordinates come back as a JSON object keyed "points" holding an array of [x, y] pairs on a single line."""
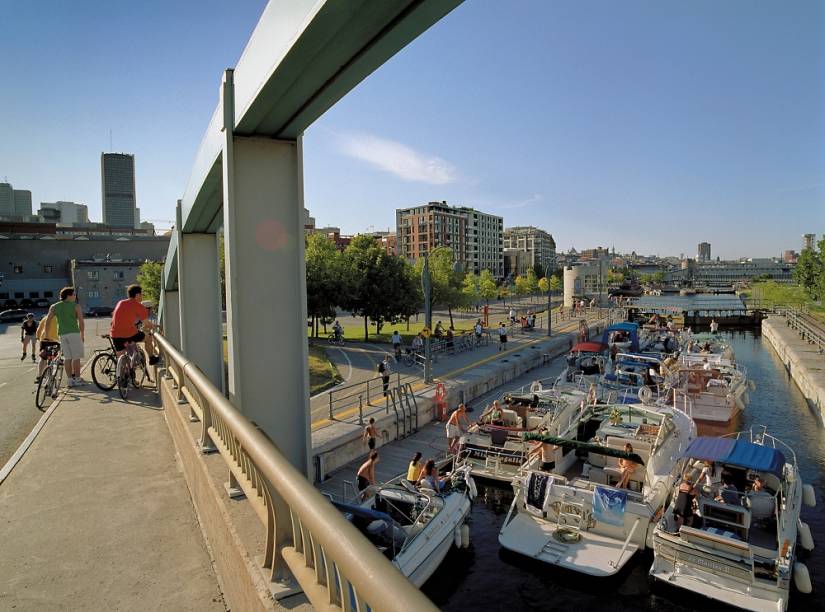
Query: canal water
{"points": [[484, 577]]}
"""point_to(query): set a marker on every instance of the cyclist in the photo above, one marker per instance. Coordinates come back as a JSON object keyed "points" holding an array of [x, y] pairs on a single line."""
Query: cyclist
{"points": [[439, 330], [337, 330], [47, 334], [126, 319], [396, 344], [27, 331]]}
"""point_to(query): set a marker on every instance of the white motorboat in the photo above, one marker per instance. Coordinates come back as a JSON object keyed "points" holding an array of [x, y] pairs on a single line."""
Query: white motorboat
{"points": [[569, 512], [733, 538], [415, 527], [715, 394]]}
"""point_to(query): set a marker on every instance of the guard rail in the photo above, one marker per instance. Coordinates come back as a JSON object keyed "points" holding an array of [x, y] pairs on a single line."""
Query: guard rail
{"points": [[807, 327], [336, 566]]}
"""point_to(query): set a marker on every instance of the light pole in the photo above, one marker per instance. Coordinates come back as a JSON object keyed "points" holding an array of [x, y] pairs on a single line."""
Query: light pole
{"points": [[549, 309], [426, 286]]}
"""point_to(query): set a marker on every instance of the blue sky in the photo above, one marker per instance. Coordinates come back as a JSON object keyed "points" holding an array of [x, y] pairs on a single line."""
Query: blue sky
{"points": [[645, 125]]}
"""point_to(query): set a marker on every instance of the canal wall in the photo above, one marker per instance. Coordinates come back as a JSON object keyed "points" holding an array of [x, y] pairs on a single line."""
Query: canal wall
{"points": [[801, 359], [336, 445]]}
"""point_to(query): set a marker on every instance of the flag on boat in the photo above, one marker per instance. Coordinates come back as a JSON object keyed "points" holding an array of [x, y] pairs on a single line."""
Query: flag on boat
{"points": [[538, 488], [609, 505]]}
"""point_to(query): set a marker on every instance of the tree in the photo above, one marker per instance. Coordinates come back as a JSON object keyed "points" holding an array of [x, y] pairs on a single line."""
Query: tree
{"points": [[810, 271], [555, 283], [531, 281], [645, 279], [658, 277], [487, 287], [446, 281], [544, 285], [522, 285], [149, 277], [323, 278], [471, 288], [539, 270]]}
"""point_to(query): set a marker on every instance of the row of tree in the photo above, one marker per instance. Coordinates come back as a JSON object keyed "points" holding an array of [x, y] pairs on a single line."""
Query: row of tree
{"points": [[810, 271]]}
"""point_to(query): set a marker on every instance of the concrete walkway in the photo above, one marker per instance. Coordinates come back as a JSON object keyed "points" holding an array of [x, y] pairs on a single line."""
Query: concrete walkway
{"points": [[97, 515]]}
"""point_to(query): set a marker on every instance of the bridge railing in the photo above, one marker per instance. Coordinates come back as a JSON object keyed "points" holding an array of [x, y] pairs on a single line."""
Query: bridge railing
{"points": [[334, 564], [807, 327]]}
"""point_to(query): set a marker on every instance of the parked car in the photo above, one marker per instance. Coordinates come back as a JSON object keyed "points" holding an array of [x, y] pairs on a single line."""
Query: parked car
{"points": [[41, 303], [26, 303], [99, 311], [10, 303], [12, 316]]}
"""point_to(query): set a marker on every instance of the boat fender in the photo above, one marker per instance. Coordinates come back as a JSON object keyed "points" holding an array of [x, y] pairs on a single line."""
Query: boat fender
{"points": [[465, 535], [808, 496], [801, 578], [739, 403], [536, 387], [472, 486], [645, 394], [458, 536], [805, 537], [752, 385]]}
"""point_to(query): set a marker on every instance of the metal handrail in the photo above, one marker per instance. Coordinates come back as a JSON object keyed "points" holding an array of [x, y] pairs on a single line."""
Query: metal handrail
{"points": [[335, 565], [810, 331]]}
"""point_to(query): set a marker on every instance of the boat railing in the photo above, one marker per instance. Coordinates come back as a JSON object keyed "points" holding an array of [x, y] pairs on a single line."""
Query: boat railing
{"points": [[765, 439]]}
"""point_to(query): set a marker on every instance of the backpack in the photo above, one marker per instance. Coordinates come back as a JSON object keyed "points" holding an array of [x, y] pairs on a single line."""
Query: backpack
{"points": [[381, 368]]}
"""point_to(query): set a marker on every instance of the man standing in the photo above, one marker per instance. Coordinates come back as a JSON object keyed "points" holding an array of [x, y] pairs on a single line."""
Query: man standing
{"points": [[502, 336], [384, 371], [70, 331], [27, 331], [454, 428]]}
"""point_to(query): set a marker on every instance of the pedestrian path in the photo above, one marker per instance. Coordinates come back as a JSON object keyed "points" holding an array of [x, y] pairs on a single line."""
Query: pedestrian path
{"points": [[97, 515]]}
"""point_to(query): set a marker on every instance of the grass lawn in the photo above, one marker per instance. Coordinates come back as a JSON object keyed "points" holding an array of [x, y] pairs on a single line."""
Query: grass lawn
{"points": [[322, 373]]}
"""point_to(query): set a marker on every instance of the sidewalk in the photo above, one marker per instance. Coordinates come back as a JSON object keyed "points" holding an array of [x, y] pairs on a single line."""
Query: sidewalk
{"points": [[97, 515]]}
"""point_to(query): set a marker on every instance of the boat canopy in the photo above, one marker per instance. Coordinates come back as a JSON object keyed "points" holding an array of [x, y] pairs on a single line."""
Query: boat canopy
{"points": [[362, 512], [737, 452], [706, 337], [632, 329], [589, 347], [596, 449]]}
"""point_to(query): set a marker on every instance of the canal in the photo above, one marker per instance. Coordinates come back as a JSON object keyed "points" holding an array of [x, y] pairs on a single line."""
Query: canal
{"points": [[485, 577]]}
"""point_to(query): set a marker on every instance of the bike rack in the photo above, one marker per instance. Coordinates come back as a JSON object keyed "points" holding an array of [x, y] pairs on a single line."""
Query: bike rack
{"points": [[410, 396], [391, 398]]}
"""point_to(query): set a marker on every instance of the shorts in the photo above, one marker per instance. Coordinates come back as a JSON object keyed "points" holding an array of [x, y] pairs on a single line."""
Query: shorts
{"points": [[45, 345], [546, 466], [503, 338], [363, 483], [371, 443], [72, 346], [452, 431], [120, 343]]}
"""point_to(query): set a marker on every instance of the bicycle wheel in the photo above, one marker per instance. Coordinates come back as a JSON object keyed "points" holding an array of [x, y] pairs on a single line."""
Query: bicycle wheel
{"points": [[104, 371], [123, 376], [44, 389], [57, 378]]}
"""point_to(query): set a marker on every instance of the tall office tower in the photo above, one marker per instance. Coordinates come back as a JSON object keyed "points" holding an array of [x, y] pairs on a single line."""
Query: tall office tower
{"points": [[704, 251], [808, 241], [22, 202], [6, 200], [117, 174]]}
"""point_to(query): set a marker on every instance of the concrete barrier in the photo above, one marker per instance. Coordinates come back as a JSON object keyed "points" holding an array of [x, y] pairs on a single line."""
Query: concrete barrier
{"points": [[800, 358]]}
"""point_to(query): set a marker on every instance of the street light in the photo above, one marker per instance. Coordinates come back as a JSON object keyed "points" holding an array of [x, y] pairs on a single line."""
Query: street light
{"points": [[426, 286]]}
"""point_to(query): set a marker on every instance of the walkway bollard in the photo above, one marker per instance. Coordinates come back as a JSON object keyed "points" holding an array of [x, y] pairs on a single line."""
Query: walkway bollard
{"points": [[360, 409]]}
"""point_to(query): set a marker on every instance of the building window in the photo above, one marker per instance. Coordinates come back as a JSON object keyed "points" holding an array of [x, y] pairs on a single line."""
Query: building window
{"points": [[18, 269], [48, 294], [119, 275], [18, 295], [93, 294], [93, 275], [34, 294], [47, 269]]}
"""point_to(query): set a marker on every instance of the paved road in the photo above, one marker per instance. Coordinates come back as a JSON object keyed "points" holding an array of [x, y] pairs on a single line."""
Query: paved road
{"points": [[18, 414]]}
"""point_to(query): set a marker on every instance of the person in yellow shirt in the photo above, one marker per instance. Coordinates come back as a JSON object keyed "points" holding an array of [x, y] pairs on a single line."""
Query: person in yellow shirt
{"points": [[47, 335], [414, 469]]}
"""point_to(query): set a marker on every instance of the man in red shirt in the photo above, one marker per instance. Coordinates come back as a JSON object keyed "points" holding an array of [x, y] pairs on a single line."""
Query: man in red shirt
{"points": [[125, 319]]}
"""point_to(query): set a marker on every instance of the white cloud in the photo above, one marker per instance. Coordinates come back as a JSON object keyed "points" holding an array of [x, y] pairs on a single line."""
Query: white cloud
{"points": [[398, 159]]}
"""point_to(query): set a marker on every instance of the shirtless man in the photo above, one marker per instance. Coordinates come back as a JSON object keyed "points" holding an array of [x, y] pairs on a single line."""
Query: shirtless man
{"points": [[370, 434], [366, 473], [454, 427]]}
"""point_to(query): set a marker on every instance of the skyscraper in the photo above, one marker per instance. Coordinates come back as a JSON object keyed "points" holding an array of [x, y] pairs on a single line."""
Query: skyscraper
{"points": [[808, 241], [22, 202], [6, 200], [704, 251], [117, 173]]}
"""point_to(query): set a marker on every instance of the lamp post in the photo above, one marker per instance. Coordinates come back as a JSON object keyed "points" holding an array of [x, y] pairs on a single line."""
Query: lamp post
{"points": [[426, 286], [549, 309]]}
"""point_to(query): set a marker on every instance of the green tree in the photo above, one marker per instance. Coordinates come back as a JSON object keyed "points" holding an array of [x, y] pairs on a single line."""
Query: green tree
{"points": [[810, 271], [487, 287], [539, 270], [446, 281], [522, 285], [323, 278], [149, 277], [471, 288], [658, 277], [532, 281], [544, 285], [645, 279], [555, 283]]}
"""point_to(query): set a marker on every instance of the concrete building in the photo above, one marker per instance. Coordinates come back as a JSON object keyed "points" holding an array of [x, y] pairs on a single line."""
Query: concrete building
{"points": [[726, 274], [22, 203], [6, 200], [475, 237], [703, 252], [585, 281], [516, 262], [309, 222], [538, 244], [808, 241], [64, 213], [37, 265], [102, 282], [117, 175]]}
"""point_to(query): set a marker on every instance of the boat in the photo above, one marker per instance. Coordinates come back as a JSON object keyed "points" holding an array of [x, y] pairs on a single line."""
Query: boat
{"points": [[737, 543], [569, 512], [716, 394], [415, 527]]}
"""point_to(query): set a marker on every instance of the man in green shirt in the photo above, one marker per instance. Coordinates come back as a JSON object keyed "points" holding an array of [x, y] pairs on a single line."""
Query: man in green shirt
{"points": [[70, 330]]}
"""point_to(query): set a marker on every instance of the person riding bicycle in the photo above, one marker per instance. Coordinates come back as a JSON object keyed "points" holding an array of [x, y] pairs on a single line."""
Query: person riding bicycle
{"points": [[396, 343], [337, 330], [47, 335], [439, 330], [27, 331], [127, 316]]}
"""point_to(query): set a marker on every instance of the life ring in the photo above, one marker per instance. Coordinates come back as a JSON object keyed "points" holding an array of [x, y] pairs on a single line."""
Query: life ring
{"points": [[645, 394], [536, 387]]}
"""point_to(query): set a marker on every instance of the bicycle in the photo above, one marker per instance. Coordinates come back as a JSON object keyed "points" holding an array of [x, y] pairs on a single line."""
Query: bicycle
{"points": [[49, 383], [104, 366], [128, 365], [336, 339]]}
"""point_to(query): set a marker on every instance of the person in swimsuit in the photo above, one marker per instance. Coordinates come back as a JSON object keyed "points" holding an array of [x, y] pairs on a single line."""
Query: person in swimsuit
{"points": [[370, 434], [627, 467], [366, 473], [683, 508]]}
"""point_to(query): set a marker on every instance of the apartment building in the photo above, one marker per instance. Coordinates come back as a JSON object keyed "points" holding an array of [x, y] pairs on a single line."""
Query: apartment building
{"points": [[537, 244]]}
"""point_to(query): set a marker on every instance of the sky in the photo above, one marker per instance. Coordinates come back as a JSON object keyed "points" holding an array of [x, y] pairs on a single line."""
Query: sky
{"points": [[644, 125]]}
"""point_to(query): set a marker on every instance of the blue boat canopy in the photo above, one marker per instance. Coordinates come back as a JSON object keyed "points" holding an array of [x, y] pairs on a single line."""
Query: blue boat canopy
{"points": [[737, 452], [632, 330], [627, 326]]}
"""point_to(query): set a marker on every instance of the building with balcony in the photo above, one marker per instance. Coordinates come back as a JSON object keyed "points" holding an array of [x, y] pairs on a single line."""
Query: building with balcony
{"points": [[536, 243]]}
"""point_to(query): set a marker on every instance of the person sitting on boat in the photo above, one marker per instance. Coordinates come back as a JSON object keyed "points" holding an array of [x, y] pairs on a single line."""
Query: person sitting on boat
{"points": [[758, 486], [727, 492], [626, 467], [415, 468], [683, 508], [705, 364], [711, 475], [366, 473], [429, 477], [714, 326], [496, 416]]}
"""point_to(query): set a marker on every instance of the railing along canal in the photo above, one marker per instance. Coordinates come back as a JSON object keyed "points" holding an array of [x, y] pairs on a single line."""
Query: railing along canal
{"points": [[807, 327], [336, 566]]}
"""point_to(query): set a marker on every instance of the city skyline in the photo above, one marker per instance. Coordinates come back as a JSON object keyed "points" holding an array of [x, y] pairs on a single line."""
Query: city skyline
{"points": [[696, 118]]}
